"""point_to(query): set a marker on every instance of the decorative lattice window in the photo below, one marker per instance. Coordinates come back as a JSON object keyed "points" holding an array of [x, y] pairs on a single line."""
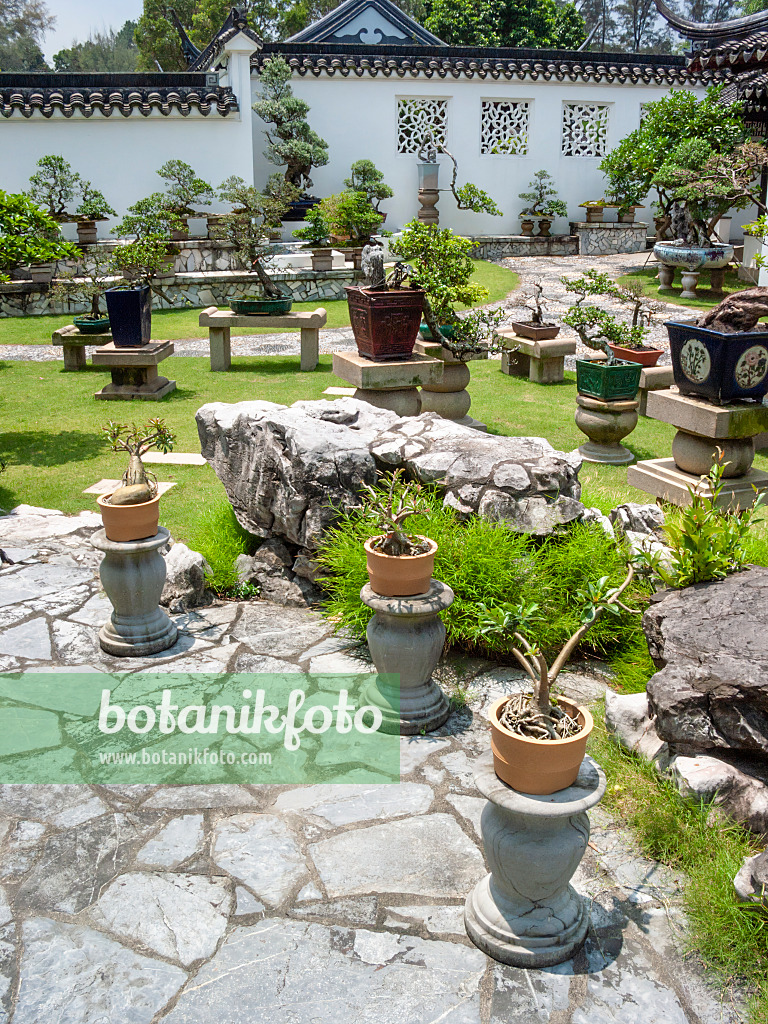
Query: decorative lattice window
{"points": [[505, 127], [585, 129], [415, 118]]}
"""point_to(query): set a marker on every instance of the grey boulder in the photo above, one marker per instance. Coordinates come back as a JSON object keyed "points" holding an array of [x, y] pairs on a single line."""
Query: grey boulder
{"points": [[709, 780], [185, 585], [751, 882], [627, 719]]}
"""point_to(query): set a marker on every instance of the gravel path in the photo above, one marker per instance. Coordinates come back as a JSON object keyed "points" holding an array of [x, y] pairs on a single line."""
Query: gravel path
{"points": [[547, 269]]}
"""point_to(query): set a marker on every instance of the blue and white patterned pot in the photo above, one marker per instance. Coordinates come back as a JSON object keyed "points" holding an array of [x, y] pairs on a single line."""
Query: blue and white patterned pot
{"points": [[693, 257], [719, 367]]}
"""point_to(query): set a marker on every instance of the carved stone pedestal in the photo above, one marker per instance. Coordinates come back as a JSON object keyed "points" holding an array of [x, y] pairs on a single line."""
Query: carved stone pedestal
{"points": [[132, 574], [405, 638], [392, 385], [134, 371], [605, 423], [428, 214], [449, 397], [525, 912], [689, 279], [702, 428], [653, 378], [666, 277]]}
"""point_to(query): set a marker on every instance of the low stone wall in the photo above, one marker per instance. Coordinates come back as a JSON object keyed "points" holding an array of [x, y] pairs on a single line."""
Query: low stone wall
{"points": [[496, 247], [608, 239], [25, 298]]}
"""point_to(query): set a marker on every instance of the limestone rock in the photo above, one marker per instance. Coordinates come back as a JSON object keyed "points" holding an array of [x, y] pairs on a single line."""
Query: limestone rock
{"points": [[270, 570], [185, 579], [739, 796], [709, 640], [642, 526], [288, 470], [751, 883], [627, 718]]}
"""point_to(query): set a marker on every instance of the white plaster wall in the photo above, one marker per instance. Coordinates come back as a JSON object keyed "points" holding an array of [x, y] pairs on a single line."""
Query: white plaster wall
{"points": [[358, 119]]}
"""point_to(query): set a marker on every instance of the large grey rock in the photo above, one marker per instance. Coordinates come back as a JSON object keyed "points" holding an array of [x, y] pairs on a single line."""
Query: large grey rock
{"points": [[739, 796], [185, 579], [270, 570], [288, 470], [627, 718], [710, 641], [751, 882]]}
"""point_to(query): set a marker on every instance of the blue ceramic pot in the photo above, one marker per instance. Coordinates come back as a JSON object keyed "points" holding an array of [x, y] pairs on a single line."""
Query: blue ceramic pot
{"points": [[719, 367], [693, 257]]}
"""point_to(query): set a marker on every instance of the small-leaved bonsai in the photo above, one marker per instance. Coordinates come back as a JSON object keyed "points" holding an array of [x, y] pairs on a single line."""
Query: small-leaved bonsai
{"points": [[183, 188], [542, 199], [137, 485], [535, 303], [349, 215], [315, 232], [55, 186], [367, 178], [28, 235], [93, 205], [388, 511], [86, 282], [597, 328]]}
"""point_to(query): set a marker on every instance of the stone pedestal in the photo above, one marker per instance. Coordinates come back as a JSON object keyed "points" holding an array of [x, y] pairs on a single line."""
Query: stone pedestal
{"points": [[605, 423], [603, 238], [689, 280], [542, 362], [449, 398], [428, 213], [132, 574], [702, 427], [73, 343], [405, 638], [666, 277], [525, 912], [389, 385], [134, 371], [653, 378]]}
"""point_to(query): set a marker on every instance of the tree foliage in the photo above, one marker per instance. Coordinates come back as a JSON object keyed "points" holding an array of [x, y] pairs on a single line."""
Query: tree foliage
{"points": [[23, 23], [532, 23], [111, 50], [28, 235]]}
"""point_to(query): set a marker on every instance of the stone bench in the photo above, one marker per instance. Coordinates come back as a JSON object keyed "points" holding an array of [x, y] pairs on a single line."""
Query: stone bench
{"points": [[221, 321], [73, 344], [542, 362], [653, 378]]}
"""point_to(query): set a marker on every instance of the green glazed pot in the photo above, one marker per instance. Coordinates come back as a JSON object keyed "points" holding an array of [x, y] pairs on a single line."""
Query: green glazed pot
{"points": [[615, 382], [447, 331], [261, 307], [88, 326]]}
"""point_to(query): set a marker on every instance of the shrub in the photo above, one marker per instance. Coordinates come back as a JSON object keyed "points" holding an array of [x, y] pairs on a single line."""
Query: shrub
{"points": [[220, 539]]}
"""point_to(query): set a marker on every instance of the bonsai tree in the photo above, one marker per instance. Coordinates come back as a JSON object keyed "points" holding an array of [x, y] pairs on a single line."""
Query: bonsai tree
{"points": [[55, 186], [630, 293], [388, 511], [28, 235], [367, 178], [86, 282], [439, 262], [542, 199], [350, 214], [148, 223], [183, 188], [292, 143], [137, 485], [315, 233], [246, 227], [534, 302], [535, 715], [737, 313], [469, 196], [93, 205]]}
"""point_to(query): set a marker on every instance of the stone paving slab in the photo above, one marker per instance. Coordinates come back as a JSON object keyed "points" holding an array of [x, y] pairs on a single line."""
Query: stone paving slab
{"points": [[188, 904]]}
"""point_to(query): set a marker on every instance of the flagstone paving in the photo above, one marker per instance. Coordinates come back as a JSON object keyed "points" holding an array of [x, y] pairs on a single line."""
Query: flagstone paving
{"points": [[310, 904]]}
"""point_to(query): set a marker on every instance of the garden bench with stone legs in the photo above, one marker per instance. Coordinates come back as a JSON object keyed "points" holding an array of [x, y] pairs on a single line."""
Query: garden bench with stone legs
{"points": [[73, 344], [542, 362], [221, 321]]}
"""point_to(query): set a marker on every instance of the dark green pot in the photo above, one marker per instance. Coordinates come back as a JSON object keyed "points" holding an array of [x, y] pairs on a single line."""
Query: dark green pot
{"points": [[86, 325], [447, 331], [614, 382], [261, 307]]}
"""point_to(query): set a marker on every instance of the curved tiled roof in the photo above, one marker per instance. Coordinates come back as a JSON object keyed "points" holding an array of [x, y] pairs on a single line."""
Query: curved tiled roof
{"points": [[733, 53], [469, 62], [108, 95]]}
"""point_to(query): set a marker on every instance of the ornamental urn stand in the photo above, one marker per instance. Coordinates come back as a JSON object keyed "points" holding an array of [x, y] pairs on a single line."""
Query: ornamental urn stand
{"points": [[132, 574], [525, 912], [606, 422], [405, 638]]}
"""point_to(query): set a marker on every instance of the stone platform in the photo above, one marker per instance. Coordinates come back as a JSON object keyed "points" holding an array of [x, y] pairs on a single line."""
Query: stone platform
{"points": [[392, 385], [134, 372], [258, 904]]}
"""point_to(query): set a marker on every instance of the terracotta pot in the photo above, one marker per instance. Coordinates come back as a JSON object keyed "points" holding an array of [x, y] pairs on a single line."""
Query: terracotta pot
{"points": [[385, 324], [129, 522], [595, 214], [538, 766], [633, 355], [400, 575], [536, 332]]}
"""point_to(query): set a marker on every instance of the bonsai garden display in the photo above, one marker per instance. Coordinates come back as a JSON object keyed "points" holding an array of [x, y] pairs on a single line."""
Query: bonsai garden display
{"points": [[534, 353], [93, 207], [537, 328], [365, 177], [315, 235], [292, 143], [467, 197], [399, 564], [86, 284], [56, 187], [183, 189], [543, 204]]}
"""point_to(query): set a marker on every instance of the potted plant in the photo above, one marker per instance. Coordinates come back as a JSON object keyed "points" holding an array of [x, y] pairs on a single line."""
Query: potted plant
{"points": [[291, 141], [399, 564], [368, 179], [595, 209], [183, 188], [28, 235], [315, 234], [246, 228], [543, 203], [350, 218], [86, 284], [93, 207], [538, 741], [131, 511], [54, 187], [723, 356], [384, 313], [633, 347], [537, 329]]}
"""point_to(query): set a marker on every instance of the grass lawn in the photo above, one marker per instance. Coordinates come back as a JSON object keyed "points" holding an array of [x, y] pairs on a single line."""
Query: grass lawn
{"points": [[651, 287], [174, 324], [53, 448]]}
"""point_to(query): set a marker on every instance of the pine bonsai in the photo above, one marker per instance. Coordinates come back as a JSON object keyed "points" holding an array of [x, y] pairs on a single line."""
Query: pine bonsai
{"points": [[183, 188], [542, 198], [367, 178]]}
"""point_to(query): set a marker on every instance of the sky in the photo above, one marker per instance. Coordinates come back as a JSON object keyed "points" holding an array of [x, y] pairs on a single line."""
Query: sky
{"points": [[76, 19]]}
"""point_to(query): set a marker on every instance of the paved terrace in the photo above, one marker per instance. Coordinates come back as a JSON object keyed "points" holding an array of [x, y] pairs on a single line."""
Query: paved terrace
{"points": [[244, 904]]}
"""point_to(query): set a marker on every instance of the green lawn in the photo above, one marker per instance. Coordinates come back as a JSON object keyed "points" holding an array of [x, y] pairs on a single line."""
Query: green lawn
{"points": [[53, 449], [704, 301], [174, 324]]}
